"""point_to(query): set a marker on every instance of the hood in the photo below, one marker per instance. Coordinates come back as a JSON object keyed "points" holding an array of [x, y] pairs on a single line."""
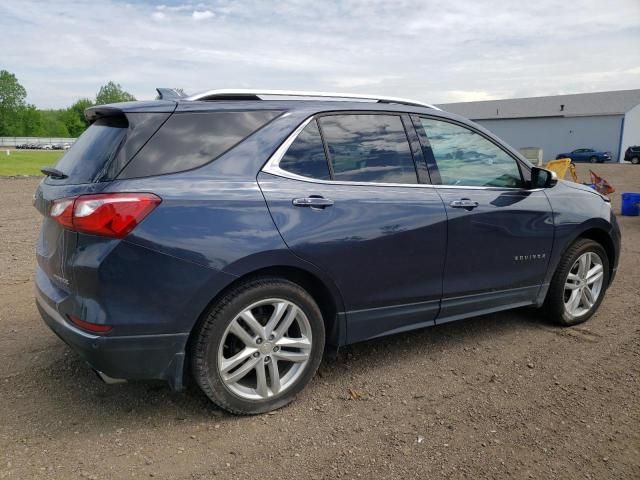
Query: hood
{"points": [[584, 188]]}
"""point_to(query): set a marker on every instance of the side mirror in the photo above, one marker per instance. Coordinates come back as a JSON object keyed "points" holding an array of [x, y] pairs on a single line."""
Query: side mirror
{"points": [[543, 178]]}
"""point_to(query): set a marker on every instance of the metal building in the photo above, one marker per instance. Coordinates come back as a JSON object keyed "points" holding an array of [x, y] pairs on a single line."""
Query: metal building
{"points": [[608, 121]]}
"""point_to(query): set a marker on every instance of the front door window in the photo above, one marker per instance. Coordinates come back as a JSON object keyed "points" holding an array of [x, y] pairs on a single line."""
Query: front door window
{"points": [[466, 158]]}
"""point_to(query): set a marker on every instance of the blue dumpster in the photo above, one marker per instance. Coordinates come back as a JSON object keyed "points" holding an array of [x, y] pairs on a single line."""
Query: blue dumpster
{"points": [[630, 204]]}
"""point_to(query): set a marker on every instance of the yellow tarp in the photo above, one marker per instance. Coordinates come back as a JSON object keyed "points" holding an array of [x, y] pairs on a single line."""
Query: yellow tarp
{"points": [[561, 166]]}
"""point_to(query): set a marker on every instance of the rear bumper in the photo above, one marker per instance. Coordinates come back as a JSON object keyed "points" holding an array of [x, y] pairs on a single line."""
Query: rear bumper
{"points": [[136, 357]]}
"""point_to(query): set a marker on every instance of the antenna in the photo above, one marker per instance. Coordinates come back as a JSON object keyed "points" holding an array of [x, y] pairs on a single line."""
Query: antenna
{"points": [[170, 93]]}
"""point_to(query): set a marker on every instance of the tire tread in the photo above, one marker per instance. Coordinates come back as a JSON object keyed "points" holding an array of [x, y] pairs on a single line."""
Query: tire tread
{"points": [[199, 364], [554, 302]]}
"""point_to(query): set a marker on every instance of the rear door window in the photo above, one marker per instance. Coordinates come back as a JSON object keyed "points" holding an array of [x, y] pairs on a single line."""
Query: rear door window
{"points": [[306, 155], [190, 140], [368, 148]]}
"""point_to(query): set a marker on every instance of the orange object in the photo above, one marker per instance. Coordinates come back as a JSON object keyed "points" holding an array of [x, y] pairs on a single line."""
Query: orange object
{"points": [[600, 184]]}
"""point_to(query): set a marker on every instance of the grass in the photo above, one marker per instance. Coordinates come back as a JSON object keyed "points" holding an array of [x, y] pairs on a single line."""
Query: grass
{"points": [[26, 162]]}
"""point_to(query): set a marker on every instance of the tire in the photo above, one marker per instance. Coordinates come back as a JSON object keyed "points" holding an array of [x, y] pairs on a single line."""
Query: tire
{"points": [[216, 342], [593, 159], [635, 160], [554, 306]]}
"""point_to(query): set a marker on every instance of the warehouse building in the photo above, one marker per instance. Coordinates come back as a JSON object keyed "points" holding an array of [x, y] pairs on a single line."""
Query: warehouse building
{"points": [[607, 121]]}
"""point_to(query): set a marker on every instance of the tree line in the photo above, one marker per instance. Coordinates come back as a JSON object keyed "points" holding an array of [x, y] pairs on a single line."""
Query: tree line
{"points": [[20, 119]]}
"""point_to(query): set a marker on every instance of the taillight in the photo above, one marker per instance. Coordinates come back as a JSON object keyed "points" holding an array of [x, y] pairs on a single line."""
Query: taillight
{"points": [[108, 214], [62, 212], [90, 327]]}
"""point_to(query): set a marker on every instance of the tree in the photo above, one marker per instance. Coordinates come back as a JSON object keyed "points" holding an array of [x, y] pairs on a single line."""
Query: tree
{"points": [[30, 122], [52, 124], [17, 118], [73, 117], [112, 93], [12, 99]]}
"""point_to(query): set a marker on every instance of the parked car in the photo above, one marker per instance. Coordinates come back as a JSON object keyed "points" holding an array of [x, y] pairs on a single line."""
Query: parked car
{"points": [[586, 155], [46, 146], [232, 239], [632, 155]]}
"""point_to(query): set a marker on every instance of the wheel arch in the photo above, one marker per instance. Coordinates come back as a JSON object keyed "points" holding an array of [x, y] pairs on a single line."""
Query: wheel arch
{"points": [[326, 296], [602, 237], [598, 231]]}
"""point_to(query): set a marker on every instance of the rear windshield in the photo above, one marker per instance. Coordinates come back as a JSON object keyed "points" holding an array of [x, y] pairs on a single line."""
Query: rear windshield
{"points": [[85, 161], [190, 140]]}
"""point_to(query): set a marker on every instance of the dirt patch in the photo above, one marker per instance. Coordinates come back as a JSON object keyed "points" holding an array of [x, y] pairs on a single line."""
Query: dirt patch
{"points": [[499, 396]]}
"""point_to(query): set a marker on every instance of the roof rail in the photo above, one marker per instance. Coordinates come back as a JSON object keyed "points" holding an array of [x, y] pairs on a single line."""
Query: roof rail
{"points": [[248, 94], [169, 93]]}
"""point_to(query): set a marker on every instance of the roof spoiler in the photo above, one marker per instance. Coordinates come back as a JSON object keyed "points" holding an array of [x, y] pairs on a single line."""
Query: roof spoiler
{"points": [[116, 109], [170, 93], [99, 111]]}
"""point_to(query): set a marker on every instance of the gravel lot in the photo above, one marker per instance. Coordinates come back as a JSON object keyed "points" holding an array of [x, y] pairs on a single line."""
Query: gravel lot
{"points": [[499, 396]]}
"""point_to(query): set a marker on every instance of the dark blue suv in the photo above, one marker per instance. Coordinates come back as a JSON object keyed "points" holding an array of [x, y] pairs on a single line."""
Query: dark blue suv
{"points": [[232, 237]]}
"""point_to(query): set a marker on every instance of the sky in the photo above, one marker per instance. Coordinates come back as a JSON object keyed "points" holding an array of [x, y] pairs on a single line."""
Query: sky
{"points": [[429, 50]]}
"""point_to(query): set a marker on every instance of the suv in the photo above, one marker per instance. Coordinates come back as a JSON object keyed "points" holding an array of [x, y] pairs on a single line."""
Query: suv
{"points": [[586, 155], [632, 155], [233, 236]]}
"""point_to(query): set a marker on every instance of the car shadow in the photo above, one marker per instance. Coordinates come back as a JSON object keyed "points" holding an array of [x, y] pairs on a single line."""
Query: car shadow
{"points": [[68, 381], [463, 333]]}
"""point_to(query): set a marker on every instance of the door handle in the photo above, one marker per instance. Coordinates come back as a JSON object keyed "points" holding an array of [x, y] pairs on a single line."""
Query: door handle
{"points": [[465, 203], [313, 202]]}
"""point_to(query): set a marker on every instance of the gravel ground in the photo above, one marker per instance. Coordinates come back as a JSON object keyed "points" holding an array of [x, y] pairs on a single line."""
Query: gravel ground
{"points": [[499, 396]]}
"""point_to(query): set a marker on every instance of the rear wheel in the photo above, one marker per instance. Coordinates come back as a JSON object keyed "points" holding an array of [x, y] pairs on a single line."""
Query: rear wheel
{"points": [[635, 160], [579, 283], [259, 346]]}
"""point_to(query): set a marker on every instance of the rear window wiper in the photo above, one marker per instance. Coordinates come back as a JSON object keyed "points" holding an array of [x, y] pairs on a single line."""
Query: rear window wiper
{"points": [[54, 173]]}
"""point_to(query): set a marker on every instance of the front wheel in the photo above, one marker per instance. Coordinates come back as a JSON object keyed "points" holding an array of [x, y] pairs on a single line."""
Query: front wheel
{"points": [[259, 346], [635, 160], [593, 159], [579, 283]]}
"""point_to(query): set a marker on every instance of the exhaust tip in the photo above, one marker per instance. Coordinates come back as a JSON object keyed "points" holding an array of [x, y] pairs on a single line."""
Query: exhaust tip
{"points": [[109, 380]]}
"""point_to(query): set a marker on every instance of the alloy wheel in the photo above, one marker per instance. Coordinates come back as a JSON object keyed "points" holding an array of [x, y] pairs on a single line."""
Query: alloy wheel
{"points": [[583, 285], [265, 349]]}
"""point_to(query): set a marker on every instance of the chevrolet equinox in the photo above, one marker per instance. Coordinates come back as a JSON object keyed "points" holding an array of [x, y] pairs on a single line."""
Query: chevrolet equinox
{"points": [[234, 236]]}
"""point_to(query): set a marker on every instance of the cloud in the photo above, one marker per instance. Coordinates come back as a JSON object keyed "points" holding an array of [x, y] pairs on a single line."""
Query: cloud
{"points": [[202, 14], [360, 81], [430, 50], [175, 8], [469, 96]]}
